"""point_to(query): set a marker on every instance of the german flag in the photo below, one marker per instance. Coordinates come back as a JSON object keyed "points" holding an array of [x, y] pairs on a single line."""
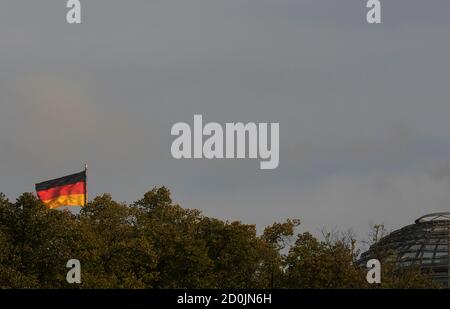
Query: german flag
{"points": [[65, 191]]}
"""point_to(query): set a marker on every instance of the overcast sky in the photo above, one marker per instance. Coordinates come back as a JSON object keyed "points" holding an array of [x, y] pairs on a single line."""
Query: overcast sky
{"points": [[364, 110]]}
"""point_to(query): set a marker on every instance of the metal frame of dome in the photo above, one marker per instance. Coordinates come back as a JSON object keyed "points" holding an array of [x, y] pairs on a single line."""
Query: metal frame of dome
{"points": [[425, 244], [437, 216]]}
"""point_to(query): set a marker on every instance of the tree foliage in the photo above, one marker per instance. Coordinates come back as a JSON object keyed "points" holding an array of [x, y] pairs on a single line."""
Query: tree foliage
{"points": [[155, 243]]}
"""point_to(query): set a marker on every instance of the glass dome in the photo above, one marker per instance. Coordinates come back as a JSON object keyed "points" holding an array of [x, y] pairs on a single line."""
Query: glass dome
{"points": [[424, 244]]}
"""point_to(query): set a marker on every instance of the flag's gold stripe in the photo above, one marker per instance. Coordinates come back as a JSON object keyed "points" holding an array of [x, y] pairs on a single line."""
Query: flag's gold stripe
{"points": [[66, 200]]}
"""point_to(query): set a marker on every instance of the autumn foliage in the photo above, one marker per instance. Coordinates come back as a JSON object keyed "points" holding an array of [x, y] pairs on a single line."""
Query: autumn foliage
{"points": [[154, 243]]}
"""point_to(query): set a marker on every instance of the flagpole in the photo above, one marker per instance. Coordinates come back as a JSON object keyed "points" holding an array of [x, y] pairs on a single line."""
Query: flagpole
{"points": [[85, 184]]}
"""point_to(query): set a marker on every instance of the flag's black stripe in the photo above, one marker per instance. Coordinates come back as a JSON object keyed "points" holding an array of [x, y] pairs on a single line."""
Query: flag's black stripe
{"points": [[67, 180]]}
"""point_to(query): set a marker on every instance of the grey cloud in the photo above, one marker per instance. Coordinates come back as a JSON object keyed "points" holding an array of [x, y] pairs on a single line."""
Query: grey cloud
{"points": [[361, 109]]}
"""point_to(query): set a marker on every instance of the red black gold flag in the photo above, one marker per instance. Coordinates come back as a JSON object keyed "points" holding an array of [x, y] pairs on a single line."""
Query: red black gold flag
{"points": [[65, 191]]}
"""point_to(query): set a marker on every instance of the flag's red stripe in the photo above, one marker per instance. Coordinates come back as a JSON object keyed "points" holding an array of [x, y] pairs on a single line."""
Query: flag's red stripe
{"points": [[76, 188]]}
